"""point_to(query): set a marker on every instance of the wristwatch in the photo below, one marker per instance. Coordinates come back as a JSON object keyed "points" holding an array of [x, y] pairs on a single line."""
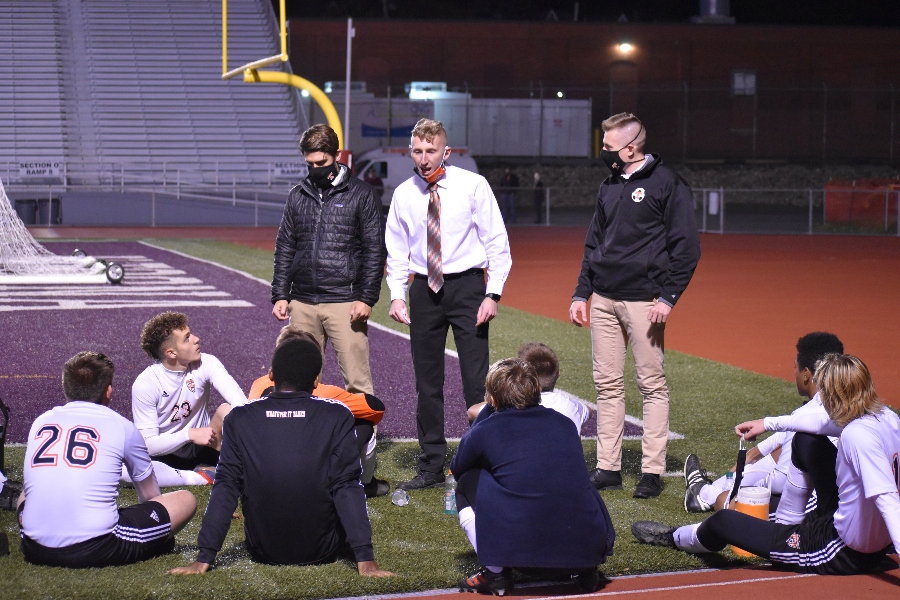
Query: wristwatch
{"points": [[494, 297]]}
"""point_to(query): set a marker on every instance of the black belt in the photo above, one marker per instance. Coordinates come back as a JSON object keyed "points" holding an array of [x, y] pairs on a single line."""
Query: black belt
{"points": [[451, 276]]}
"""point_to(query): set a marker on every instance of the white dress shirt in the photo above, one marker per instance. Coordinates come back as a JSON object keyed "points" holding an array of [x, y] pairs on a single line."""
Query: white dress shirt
{"points": [[472, 231]]}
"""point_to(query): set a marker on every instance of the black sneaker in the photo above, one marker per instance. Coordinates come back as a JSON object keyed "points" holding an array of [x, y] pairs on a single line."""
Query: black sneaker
{"points": [[694, 480], [487, 582], [653, 533], [10, 495], [422, 481], [606, 480], [587, 581], [376, 488], [650, 486]]}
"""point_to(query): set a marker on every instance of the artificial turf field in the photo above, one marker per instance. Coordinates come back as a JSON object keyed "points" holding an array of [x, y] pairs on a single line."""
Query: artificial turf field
{"points": [[425, 548]]}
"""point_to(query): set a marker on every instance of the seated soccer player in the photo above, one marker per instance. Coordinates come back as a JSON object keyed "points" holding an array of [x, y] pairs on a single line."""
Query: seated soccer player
{"points": [[366, 408], [292, 460], [521, 471], [546, 365], [74, 456], [852, 529], [169, 398], [769, 462]]}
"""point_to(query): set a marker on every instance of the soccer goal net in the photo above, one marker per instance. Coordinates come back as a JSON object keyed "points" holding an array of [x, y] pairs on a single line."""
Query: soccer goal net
{"points": [[24, 260]]}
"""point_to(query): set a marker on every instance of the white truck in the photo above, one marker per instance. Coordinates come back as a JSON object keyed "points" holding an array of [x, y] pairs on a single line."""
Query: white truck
{"points": [[393, 165]]}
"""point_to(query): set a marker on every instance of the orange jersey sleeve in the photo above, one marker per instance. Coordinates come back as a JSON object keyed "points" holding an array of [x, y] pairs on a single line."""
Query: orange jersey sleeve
{"points": [[259, 386], [355, 402]]}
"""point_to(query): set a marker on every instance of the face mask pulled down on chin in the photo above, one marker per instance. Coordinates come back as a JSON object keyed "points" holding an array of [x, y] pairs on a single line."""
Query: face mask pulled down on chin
{"points": [[433, 176], [322, 177]]}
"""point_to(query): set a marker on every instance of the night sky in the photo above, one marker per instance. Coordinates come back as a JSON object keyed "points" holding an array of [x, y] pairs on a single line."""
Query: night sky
{"points": [[837, 13]]}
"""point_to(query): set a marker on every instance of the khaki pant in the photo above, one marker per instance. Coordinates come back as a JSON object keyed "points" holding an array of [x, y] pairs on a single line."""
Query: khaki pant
{"points": [[613, 325], [350, 340]]}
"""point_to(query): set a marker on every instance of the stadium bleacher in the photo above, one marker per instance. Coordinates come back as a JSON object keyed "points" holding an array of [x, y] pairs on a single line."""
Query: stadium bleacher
{"points": [[126, 85]]}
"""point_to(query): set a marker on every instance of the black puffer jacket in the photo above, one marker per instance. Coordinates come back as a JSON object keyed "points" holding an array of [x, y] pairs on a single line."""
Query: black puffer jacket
{"points": [[330, 249]]}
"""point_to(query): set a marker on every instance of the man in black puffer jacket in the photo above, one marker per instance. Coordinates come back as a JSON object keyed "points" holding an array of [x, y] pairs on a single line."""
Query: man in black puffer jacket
{"points": [[329, 257]]}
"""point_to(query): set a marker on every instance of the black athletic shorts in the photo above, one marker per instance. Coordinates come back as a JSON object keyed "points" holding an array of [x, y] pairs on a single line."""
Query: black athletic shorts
{"points": [[144, 531], [814, 546], [190, 456]]}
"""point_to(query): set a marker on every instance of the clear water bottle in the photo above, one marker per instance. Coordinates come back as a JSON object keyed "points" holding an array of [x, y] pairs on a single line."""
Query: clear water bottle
{"points": [[400, 498], [450, 495]]}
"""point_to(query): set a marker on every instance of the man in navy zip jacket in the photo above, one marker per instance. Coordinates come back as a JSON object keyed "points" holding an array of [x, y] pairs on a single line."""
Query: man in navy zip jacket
{"points": [[639, 255]]}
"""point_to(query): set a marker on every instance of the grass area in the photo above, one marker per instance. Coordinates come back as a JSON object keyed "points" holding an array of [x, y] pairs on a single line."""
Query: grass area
{"points": [[424, 547]]}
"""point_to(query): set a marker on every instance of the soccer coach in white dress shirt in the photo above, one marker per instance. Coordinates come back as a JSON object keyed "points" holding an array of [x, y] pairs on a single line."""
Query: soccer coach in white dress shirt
{"points": [[445, 228]]}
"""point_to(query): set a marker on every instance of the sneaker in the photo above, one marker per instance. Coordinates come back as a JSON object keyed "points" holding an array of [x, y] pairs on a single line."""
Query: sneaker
{"points": [[487, 582], [694, 480], [650, 486], [207, 473], [377, 487], [653, 533], [422, 481], [606, 480], [10, 495], [587, 581]]}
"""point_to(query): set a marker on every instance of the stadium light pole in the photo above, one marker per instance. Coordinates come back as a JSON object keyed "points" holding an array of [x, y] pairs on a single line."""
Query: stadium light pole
{"points": [[350, 34]]}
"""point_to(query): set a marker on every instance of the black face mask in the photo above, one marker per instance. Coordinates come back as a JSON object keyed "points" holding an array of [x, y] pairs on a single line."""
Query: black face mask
{"points": [[322, 177], [613, 161]]}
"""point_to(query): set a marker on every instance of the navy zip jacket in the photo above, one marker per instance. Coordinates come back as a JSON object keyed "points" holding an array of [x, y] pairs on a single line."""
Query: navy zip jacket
{"points": [[293, 461], [535, 505], [643, 242], [330, 249]]}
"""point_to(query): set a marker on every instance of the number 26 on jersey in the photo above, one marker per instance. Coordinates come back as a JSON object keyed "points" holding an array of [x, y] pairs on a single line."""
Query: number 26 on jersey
{"points": [[80, 449]]}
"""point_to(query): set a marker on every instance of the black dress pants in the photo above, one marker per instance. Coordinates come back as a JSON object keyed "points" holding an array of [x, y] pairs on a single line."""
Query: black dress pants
{"points": [[431, 314]]}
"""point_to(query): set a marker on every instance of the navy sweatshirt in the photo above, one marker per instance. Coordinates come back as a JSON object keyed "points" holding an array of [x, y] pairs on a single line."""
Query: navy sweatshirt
{"points": [[643, 242], [293, 461]]}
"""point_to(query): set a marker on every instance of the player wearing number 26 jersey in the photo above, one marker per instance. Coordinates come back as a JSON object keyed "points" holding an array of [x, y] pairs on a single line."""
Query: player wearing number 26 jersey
{"points": [[73, 463], [72, 468]]}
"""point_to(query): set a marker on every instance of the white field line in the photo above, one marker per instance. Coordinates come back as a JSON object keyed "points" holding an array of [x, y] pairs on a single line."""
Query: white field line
{"points": [[599, 594]]}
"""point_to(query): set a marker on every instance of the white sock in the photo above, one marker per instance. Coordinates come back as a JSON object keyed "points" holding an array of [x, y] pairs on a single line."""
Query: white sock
{"points": [[797, 490], [167, 476], [710, 492], [467, 522], [369, 461], [686, 539]]}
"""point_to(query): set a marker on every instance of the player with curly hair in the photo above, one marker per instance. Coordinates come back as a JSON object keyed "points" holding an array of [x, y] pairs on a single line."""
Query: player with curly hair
{"points": [[169, 398]]}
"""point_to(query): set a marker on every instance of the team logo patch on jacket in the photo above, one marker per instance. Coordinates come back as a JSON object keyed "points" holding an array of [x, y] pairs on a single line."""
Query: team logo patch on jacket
{"points": [[637, 195], [794, 541], [190, 385]]}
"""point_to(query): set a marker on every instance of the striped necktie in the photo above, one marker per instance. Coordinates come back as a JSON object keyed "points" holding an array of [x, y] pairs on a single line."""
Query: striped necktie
{"points": [[435, 267]]}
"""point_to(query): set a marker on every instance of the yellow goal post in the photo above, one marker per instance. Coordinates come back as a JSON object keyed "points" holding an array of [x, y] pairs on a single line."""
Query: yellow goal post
{"points": [[252, 74]]}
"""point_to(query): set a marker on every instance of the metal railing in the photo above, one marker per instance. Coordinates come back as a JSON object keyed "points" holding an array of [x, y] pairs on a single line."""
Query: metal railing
{"points": [[806, 211]]}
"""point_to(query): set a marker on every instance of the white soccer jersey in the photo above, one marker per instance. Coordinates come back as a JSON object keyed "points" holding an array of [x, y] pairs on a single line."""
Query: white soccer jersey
{"points": [[569, 407], [868, 466], [166, 404], [73, 463], [783, 439]]}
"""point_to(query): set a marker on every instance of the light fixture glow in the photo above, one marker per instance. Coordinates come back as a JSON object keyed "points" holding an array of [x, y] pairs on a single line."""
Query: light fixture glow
{"points": [[625, 47], [559, 94], [304, 93]]}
